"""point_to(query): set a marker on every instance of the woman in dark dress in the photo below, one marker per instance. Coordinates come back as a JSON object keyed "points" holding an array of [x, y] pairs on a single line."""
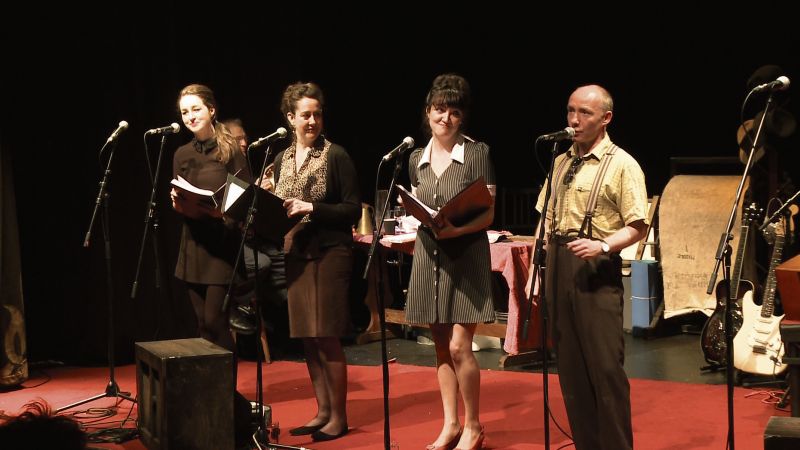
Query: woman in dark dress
{"points": [[318, 180], [208, 246], [450, 285]]}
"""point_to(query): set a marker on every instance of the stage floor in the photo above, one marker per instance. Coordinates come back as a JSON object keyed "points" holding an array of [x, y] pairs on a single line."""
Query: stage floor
{"points": [[674, 404]]}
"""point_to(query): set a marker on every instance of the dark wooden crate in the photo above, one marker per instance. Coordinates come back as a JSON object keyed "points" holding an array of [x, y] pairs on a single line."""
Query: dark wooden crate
{"points": [[185, 393]]}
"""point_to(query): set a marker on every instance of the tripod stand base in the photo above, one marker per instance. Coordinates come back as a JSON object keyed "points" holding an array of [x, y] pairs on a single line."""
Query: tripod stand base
{"points": [[263, 437], [112, 390], [785, 397]]}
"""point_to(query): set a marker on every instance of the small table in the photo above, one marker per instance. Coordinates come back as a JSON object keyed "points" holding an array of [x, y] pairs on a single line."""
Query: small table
{"points": [[510, 258]]}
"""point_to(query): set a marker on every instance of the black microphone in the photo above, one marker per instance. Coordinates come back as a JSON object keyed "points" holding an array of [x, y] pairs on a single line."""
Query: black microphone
{"points": [[566, 133], [123, 125], [280, 133], [172, 128], [407, 143], [780, 84]]}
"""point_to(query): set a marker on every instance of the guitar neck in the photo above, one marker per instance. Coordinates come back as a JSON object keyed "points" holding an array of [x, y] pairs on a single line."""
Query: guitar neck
{"points": [[768, 304], [736, 274]]}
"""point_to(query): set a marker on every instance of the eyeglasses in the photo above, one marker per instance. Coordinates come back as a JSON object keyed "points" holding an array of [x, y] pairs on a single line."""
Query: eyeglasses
{"points": [[574, 166]]}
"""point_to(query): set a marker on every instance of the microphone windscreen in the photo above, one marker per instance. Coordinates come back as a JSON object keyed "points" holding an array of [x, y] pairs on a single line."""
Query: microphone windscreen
{"points": [[764, 74]]}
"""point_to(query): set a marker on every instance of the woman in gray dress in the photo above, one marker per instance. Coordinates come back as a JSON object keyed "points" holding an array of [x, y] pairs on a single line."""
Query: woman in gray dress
{"points": [[450, 286]]}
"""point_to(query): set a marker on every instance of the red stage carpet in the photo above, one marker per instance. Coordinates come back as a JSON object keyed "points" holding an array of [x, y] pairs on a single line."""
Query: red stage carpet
{"points": [[666, 415]]}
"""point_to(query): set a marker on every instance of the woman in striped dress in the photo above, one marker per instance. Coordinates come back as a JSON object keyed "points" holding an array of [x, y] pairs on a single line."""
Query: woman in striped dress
{"points": [[450, 286]]}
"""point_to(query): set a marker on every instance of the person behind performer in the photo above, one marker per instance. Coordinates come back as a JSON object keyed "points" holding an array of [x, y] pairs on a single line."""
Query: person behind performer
{"points": [[583, 288], [236, 128], [270, 257], [208, 245], [37, 428], [318, 180], [450, 286]]}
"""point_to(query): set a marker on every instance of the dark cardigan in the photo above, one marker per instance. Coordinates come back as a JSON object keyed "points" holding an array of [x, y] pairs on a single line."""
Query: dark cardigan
{"points": [[332, 218]]}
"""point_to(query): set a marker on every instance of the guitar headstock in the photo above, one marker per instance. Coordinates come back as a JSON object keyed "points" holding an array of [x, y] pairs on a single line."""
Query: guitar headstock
{"points": [[751, 214], [778, 228]]}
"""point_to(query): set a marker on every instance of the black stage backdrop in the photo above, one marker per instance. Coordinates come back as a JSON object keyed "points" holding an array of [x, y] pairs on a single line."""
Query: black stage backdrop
{"points": [[677, 84]]}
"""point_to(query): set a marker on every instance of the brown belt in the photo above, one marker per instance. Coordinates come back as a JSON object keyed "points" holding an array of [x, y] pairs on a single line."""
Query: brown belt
{"points": [[561, 240]]}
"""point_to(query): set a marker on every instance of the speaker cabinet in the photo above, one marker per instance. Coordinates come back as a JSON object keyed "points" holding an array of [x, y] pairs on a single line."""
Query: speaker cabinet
{"points": [[185, 392], [782, 433]]}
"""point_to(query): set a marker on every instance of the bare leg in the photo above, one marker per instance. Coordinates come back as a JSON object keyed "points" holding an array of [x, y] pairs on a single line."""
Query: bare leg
{"points": [[469, 380], [334, 367], [448, 382]]}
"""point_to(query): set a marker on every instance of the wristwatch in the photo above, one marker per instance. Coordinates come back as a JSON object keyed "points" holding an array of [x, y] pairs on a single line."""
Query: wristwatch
{"points": [[605, 247]]}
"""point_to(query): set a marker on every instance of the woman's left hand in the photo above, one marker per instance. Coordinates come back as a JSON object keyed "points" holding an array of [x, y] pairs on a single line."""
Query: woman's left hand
{"points": [[296, 207], [447, 230]]}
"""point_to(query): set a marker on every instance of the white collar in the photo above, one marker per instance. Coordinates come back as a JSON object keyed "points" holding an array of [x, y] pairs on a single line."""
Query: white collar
{"points": [[456, 155]]}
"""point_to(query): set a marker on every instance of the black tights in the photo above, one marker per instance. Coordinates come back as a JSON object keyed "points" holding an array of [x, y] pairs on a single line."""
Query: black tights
{"points": [[212, 322]]}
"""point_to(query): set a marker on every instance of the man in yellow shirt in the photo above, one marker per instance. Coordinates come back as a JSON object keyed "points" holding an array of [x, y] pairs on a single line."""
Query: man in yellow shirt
{"points": [[583, 283]]}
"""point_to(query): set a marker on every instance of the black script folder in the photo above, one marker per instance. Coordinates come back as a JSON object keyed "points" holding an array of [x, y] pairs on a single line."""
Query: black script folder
{"points": [[270, 220], [472, 201], [195, 202]]}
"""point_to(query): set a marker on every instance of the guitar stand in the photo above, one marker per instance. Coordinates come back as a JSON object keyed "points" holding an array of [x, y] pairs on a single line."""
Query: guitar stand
{"points": [[759, 381], [712, 368]]}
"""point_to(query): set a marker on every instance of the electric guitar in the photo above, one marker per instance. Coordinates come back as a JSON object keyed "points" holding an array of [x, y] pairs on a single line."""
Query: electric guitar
{"points": [[757, 348], [712, 338]]}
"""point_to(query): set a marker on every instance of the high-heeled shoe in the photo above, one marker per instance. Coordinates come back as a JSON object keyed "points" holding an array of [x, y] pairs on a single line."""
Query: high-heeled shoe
{"points": [[478, 445], [450, 445]]}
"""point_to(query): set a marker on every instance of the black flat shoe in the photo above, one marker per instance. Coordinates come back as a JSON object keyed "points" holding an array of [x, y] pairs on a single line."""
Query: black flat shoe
{"points": [[242, 319], [301, 431], [319, 436]]}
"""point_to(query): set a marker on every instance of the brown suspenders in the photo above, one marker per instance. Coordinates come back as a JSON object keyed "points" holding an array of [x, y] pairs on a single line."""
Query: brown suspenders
{"points": [[592, 205]]}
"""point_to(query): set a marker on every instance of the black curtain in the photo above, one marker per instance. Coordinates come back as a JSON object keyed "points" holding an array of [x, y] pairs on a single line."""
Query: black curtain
{"points": [[13, 358]]}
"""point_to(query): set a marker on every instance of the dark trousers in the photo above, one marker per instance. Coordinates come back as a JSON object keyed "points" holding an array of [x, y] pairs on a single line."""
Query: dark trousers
{"points": [[271, 276], [585, 300]]}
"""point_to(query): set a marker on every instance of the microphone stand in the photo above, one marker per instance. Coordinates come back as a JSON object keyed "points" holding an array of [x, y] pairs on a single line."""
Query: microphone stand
{"points": [[778, 212], [723, 256], [539, 269], [261, 434], [150, 215], [376, 237], [112, 388]]}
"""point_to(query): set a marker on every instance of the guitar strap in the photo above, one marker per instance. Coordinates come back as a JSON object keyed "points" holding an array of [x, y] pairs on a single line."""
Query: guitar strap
{"points": [[586, 226]]}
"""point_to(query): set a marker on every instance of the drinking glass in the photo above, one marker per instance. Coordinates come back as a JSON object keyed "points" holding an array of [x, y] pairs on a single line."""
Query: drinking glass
{"points": [[398, 213]]}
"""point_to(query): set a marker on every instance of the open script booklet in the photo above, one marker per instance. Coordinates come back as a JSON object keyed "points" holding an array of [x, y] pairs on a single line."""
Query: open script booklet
{"points": [[195, 202], [472, 201], [269, 218], [233, 200]]}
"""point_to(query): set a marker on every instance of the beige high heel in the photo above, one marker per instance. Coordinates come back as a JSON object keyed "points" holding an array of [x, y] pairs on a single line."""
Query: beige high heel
{"points": [[449, 445]]}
